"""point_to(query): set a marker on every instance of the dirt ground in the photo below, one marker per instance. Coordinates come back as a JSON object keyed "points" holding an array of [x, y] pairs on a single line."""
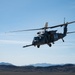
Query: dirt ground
{"points": [[35, 73]]}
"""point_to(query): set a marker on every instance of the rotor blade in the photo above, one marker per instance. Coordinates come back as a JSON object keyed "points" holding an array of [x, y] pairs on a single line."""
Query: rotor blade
{"points": [[60, 25], [26, 30], [27, 46], [70, 32]]}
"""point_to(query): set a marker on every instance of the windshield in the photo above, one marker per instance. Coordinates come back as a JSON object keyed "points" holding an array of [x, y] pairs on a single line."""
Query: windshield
{"points": [[36, 38]]}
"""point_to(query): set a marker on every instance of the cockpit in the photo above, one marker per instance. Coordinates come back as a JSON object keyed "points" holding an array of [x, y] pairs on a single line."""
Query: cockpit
{"points": [[36, 40]]}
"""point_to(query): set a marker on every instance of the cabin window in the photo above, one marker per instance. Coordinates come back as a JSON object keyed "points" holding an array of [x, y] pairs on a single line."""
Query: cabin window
{"points": [[55, 36]]}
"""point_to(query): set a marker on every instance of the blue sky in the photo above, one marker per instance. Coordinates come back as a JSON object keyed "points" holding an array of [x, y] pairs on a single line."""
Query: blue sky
{"points": [[28, 14]]}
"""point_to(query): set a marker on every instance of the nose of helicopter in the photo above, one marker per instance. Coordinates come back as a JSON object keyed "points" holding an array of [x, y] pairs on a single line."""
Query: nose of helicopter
{"points": [[34, 42]]}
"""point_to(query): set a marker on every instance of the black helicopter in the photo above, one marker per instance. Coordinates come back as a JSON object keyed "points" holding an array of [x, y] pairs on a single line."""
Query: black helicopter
{"points": [[48, 37]]}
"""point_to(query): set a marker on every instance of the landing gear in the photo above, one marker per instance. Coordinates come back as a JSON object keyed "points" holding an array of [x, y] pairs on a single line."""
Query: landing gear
{"points": [[53, 42], [63, 40], [38, 46], [49, 45]]}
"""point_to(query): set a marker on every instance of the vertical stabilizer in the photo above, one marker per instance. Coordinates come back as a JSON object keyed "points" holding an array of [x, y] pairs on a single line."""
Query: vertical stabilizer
{"points": [[65, 30]]}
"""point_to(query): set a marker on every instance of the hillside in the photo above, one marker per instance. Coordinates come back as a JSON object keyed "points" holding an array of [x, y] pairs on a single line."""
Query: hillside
{"points": [[58, 68]]}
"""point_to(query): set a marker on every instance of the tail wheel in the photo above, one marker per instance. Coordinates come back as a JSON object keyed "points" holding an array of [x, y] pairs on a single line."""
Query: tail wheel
{"points": [[62, 40]]}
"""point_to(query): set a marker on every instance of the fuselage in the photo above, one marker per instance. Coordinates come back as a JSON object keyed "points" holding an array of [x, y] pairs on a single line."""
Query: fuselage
{"points": [[47, 38]]}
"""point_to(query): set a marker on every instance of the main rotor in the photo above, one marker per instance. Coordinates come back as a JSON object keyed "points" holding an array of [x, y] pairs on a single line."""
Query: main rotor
{"points": [[46, 27]]}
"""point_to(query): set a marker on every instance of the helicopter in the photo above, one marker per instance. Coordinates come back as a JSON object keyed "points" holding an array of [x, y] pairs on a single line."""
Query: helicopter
{"points": [[48, 37]]}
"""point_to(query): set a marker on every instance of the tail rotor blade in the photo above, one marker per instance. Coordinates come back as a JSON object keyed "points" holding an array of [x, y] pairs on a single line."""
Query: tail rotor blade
{"points": [[64, 20]]}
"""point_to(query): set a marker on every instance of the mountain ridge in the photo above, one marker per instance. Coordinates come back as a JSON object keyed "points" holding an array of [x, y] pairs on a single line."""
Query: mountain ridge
{"points": [[36, 65], [5, 63], [53, 68], [58, 68]]}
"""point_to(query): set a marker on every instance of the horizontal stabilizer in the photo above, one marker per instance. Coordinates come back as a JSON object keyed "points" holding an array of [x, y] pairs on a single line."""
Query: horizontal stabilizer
{"points": [[70, 32]]}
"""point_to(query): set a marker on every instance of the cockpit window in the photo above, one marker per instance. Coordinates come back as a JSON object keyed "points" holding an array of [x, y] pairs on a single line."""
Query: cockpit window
{"points": [[36, 38]]}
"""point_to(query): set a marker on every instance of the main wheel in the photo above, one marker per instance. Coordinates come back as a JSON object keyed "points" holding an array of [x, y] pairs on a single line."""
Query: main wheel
{"points": [[38, 46], [49, 45]]}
